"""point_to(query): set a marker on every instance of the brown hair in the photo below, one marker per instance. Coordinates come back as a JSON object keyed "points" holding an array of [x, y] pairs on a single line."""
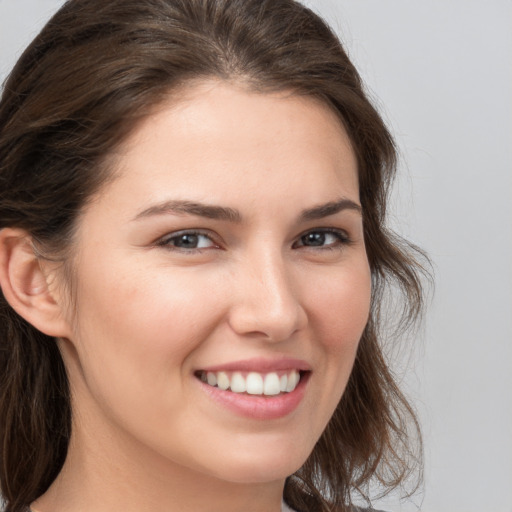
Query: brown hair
{"points": [[95, 69]]}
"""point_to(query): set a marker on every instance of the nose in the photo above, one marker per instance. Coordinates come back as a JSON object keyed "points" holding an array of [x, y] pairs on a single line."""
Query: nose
{"points": [[265, 302]]}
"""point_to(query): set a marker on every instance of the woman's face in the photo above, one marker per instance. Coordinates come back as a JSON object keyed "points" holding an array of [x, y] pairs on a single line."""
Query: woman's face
{"points": [[228, 249]]}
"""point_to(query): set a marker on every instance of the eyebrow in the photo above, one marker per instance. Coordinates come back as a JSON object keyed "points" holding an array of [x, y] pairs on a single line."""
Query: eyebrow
{"points": [[183, 207], [177, 207], [331, 208]]}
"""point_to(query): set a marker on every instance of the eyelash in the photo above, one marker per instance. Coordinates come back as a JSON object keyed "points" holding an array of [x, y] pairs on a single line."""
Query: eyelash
{"points": [[164, 242], [342, 240]]}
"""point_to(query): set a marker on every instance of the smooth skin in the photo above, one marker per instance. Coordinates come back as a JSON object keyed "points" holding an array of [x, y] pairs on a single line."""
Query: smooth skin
{"points": [[161, 292]]}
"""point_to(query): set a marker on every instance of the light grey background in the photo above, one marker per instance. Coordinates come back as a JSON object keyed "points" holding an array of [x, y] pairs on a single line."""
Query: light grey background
{"points": [[441, 73]]}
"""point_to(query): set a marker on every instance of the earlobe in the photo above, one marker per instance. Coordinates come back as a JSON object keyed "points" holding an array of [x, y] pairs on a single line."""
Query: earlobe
{"points": [[26, 286]]}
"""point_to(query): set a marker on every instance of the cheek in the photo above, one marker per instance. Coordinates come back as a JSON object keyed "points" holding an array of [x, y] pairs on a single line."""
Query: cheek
{"points": [[339, 307], [152, 307], [338, 312], [140, 329]]}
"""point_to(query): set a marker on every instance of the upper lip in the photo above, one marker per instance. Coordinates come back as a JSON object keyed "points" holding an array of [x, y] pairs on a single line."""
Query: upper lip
{"points": [[261, 365]]}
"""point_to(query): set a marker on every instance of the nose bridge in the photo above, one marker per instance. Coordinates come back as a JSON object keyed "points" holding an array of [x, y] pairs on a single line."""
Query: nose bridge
{"points": [[266, 302]]}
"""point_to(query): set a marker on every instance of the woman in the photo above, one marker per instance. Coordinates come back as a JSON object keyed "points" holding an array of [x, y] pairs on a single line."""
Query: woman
{"points": [[193, 253]]}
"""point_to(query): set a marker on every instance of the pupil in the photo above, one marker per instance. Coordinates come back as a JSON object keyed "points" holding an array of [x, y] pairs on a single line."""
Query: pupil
{"points": [[314, 239], [187, 241]]}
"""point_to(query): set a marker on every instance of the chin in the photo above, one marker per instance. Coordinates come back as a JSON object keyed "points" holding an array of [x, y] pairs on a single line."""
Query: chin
{"points": [[260, 466]]}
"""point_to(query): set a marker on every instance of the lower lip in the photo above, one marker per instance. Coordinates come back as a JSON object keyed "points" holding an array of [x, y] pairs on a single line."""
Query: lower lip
{"points": [[257, 406]]}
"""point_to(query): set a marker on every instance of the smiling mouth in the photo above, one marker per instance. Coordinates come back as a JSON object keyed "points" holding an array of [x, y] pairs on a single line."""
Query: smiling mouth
{"points": [[253, 383]]}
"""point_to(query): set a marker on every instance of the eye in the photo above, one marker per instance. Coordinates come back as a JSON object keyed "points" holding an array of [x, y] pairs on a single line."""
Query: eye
{"points": [[323, 238], [187, 240]]}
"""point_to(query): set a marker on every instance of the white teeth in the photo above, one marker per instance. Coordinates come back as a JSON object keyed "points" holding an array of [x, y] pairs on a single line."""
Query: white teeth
{"points": [[293, 380], [222, 380], [254, 384], [238, 383], [269, 384], [211, 378], [283, 382]]}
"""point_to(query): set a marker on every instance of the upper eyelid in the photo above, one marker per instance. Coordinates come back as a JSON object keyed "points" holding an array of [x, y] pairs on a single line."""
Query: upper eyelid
{"points": [[324, 229], [335, 231], [174, 234]]}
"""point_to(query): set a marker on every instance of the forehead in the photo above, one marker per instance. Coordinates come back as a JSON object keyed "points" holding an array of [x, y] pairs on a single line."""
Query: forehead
{"points": [[214, 138]]}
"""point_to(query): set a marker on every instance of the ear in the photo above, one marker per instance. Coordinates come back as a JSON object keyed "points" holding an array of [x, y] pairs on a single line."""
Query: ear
{"points": [[28, 284]]}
